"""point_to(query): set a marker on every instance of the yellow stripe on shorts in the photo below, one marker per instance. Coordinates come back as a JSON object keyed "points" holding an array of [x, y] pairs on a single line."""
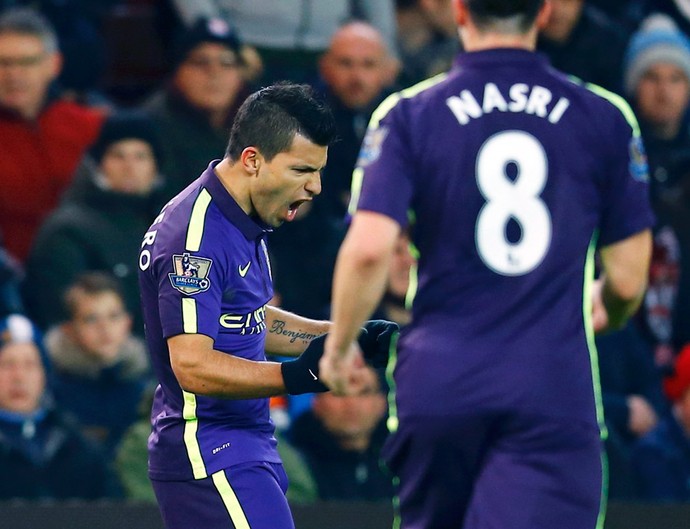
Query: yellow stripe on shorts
{"points": [[232, 504]]}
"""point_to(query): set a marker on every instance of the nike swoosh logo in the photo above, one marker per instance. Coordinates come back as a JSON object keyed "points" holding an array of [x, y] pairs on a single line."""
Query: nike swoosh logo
{"points": [[243, 269], [312, 374]]}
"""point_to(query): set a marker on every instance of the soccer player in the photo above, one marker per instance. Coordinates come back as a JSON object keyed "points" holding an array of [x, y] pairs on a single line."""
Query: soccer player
{"points": [[514, 175], [205, 283]]}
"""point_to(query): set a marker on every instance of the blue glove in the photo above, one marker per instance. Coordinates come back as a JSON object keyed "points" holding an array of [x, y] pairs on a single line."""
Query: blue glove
{"points": [[375, 341], [302, 374]]}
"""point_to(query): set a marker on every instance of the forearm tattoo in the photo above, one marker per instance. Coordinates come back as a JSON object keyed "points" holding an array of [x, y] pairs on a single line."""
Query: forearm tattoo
{"points": [[279, 328]]}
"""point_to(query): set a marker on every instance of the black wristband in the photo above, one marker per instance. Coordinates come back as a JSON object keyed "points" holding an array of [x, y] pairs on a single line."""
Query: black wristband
{"points": [[302, 374]]}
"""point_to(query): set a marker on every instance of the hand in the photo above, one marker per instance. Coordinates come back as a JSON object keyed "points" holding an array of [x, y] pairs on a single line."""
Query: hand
{"points": [[600, 317], [375, 341], [641, 416], [344, 373], [302, 374]]}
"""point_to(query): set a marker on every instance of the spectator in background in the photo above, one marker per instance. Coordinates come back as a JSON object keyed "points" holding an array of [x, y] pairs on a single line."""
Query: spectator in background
{"points": [[195, 110], [77, 24], [657, 82], [100, 222], [101, 369], [290, 35], [357, 71], [633, 401], [662, 457], [427, 39], [42, 453], [43, 137], [78, 27], [584, 42], [341, 438]]}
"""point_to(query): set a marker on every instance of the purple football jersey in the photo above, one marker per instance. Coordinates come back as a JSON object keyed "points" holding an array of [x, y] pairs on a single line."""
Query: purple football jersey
{"points": [[204, 269], [509, 174]]}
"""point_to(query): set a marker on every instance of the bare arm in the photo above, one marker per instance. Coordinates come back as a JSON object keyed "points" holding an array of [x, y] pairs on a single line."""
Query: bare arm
{"points": [[289, 334], [626, 269], [202, 370], [358, 285]]}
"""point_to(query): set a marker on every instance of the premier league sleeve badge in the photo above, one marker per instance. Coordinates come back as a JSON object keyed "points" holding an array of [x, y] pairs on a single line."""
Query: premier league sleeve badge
{"points": [[190, 274]]}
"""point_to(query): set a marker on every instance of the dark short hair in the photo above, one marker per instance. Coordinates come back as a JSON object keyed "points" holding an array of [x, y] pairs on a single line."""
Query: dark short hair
{"points": [[90, 283], [270, 118], [487, 12]]}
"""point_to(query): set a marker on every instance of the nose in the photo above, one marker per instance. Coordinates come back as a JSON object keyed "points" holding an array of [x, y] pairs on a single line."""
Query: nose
{"points": [[314, 184], [214, 68]]}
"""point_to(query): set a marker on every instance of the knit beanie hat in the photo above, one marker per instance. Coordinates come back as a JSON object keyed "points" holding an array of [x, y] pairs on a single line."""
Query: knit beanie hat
{"points": [[677, 384], [657, 41], [126, 125], [17, 328], [214, 30]]}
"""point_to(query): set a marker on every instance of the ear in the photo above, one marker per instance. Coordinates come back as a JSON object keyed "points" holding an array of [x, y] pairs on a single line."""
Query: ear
{"points": [[391, 68], [56, 60], [461, 13], [544, 15], [325, 66], [251, 160]]}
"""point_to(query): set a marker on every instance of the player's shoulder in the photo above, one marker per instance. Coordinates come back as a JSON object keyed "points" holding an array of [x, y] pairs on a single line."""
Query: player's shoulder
{"points": [[413, 97], [180, 206], [603, 103], [183, 212]]}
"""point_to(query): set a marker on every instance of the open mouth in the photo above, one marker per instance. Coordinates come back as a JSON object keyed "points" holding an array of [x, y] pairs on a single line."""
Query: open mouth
{"points": [[292, 209]]}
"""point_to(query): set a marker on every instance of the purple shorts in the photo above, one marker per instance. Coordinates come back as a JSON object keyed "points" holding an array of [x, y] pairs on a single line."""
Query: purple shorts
{"points": [[250, 495], [495, 471]]}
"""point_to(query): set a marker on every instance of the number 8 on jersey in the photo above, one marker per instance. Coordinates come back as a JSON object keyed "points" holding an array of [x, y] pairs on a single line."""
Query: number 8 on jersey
{"points": [[518, 199]]}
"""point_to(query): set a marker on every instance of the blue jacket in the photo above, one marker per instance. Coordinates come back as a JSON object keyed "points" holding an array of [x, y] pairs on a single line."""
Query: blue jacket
{"points": [[45, 457]]}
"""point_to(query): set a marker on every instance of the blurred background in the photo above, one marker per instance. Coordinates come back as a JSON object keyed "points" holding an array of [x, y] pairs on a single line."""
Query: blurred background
{"points": [[108, 108]]}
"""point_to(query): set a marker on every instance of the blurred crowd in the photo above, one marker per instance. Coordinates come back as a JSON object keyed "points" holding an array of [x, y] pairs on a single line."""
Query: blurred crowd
{"points": [[110, 108]]}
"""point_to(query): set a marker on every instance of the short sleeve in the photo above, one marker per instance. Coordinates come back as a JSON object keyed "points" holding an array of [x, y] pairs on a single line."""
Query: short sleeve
{"points": [[627, 207], [190, 287], [383, 179]]}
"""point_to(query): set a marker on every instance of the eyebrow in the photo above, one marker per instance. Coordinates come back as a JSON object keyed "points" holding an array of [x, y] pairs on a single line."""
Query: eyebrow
{"points": [[306, 168], [210, 56]]}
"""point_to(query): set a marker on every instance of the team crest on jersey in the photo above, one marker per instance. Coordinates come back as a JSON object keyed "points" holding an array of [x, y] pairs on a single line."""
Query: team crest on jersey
{"points": [[639, 169], [371, 146], [190, 274]]}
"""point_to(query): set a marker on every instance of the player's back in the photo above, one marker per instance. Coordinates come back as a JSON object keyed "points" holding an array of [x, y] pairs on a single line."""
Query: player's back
{"points": [[511, 170]]}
